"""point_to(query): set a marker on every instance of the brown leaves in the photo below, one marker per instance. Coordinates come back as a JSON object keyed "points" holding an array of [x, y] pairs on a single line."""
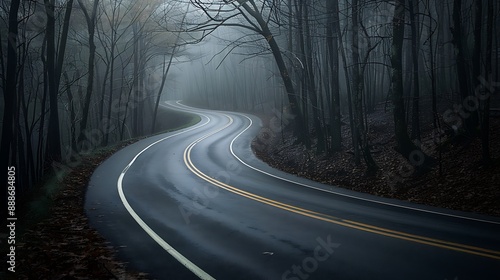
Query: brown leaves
{"points": [[464, 185], [64, 246]]}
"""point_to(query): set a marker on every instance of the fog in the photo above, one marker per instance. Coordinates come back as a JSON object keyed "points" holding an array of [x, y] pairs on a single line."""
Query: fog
{"points": [[81, 75], [218, 75]]}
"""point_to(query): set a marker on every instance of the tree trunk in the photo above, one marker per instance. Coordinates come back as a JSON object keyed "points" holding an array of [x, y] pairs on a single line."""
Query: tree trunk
{"points": [[63, 40], [72, 116], [332, 28], [404, 145], [53, 152], [415, 125], [354, 139], [91, 62], [358, 82], [313, 94], [485, 120], [356, 77], [42, 126], [308, 73], [10, 99], [111, 70], [135, 115], [463, 77], [473, 121], [432, 70], [28, 130]]}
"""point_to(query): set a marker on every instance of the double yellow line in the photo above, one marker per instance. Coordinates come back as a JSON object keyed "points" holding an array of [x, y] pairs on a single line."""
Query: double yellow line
{"points": [[331, 219]]}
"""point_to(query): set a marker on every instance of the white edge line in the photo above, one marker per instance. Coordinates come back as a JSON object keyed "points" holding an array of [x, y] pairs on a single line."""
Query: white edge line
{"points": [[342, 194], [167, 247]]}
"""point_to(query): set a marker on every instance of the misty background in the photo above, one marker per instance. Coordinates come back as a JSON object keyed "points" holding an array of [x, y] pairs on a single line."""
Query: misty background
{"points": [[80, 75]]}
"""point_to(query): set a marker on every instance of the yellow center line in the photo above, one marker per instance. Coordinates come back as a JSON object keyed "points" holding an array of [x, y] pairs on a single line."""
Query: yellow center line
{"points": [[331, 219]]}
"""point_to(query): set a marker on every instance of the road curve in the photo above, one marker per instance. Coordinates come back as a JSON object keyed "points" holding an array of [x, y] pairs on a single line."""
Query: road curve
{"points": [[197, 204]]}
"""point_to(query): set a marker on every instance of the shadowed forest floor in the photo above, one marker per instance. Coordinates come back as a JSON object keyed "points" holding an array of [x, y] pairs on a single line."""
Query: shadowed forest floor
{"points": [[60, 244], [464, 183], [64, 246]]}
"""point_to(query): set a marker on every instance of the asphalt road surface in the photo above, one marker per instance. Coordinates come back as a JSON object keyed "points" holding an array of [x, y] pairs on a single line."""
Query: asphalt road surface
{"points": [[197, 204]]}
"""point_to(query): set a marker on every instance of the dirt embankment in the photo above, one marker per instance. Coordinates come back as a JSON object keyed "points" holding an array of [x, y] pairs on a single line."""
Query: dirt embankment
{"points": [[458, 181]]}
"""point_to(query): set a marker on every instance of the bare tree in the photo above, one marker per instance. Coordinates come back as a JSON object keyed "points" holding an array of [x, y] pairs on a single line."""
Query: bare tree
{"points": [[91, 23], [332, 28], [415, 124], [222, 13], [485, 116], [462, 65], [404, 145], [53, 142], [9, 96]]}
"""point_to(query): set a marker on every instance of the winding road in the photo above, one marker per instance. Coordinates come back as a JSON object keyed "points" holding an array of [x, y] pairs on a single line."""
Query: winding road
{"points": [[197, 204]]}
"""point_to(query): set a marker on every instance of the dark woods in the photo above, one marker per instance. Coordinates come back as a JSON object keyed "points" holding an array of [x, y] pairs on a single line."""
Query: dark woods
{"points": [[78, 75], [431, 63]]}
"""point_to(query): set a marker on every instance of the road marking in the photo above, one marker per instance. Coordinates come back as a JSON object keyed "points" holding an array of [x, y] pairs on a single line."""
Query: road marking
{"points": [[327, 218], [196, 110], [346, 195], [174, 253]]}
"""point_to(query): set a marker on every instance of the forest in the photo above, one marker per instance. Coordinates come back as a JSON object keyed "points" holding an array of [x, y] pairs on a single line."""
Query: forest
{"points": [[79, 75]]}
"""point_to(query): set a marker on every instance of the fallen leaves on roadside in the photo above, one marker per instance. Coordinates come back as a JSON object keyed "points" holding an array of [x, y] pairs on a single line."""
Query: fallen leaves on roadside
{"points": [[463, 185], [64, 246]]}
